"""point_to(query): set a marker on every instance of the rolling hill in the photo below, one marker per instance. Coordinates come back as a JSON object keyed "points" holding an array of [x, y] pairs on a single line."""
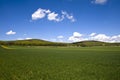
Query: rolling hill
{"points": [[32, 42], [94, 43], [38, 42]]}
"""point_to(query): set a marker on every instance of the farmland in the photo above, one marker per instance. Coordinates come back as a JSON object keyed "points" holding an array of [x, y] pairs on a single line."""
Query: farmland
{"points": [[59, 63]]}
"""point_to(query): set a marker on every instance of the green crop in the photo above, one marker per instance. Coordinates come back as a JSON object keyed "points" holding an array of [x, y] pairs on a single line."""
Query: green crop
{"points": [[60, 63]]}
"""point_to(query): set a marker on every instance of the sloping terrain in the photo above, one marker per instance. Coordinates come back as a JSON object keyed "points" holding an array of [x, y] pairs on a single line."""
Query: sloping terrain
{"points": [[94, 43], [32, 42], [38, 42]]}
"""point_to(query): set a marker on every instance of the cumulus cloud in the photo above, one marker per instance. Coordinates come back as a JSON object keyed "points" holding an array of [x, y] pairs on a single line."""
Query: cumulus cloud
{"points": [[60, 37], [40, 13], [101, 37], [92, 34], [47, 11], [105, 38], [68, 16], [99, 1], [20, 39], [28, 38], [76, 37], [24, 38], [10, 32], [52, 16], [115, 38], [54, 40]]}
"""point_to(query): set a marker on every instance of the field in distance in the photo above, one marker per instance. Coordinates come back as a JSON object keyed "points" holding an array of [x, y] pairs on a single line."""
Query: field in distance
{"points": [[59, 63]]}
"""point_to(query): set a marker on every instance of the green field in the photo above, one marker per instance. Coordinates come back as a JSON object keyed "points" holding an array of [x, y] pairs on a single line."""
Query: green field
{"points": [[60, 63]]}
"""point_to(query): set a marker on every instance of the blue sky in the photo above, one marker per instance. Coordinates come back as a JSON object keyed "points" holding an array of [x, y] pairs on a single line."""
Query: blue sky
{"points": [[60, 20]]}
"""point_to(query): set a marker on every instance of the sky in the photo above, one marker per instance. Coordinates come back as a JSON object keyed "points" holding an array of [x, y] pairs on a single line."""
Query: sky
{"points": [[60, 20]]}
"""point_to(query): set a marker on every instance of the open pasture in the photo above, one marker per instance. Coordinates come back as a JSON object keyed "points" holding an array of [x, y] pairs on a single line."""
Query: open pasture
{"points": [[60, 63]]}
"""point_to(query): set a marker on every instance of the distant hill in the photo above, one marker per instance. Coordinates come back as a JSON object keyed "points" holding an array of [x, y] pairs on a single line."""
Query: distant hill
{"points": [[38, 42], [94, 43], [32, 42]]}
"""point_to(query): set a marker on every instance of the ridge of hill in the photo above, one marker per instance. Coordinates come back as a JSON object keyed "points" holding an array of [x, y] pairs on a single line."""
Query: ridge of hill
{"points": [[32, 42], [95, 43], [39, 42]]}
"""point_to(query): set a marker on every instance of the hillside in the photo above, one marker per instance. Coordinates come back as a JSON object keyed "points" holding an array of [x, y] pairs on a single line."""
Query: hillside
{"points": [[38, 42], [94, 43], [32, 42]]}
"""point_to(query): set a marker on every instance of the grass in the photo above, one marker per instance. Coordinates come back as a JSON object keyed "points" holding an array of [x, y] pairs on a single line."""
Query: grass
{"points": [[5, 47], [60, 63]]}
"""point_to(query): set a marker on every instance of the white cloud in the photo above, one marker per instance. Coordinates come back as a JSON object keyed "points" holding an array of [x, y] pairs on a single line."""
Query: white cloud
{"points": [[101, 37], [40, 13], [76, 37], [94, 36], [51, 16], [99, 1], [115, 38], [68, 16], [54, 16], [47, 11], [60, 40], [105, 38], [60, 37], [10, 32], [24, 38], [28, 38], [20, 39], [54, 40]]}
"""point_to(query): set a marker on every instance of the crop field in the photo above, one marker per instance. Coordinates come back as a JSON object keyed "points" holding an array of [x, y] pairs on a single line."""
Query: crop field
{"points": [[59, 63]]}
